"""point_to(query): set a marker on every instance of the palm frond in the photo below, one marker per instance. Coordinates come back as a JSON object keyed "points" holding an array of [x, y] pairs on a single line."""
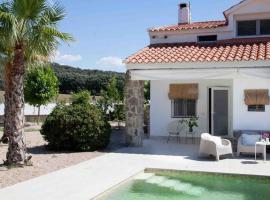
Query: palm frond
{"points": [[53, 14], [28, 9], [33, 23], [8, 31], [65, 37]]}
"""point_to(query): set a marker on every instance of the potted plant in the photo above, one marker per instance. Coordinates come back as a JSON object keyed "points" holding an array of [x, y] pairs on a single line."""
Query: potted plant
{"points": [[192, 122]]}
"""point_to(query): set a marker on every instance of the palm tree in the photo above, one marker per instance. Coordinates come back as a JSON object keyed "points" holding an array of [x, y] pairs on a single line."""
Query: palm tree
{"points": [[28, 30]]}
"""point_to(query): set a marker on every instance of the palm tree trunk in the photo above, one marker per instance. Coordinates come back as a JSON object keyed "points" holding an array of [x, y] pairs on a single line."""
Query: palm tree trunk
{"points": [[15, 111], [7, 82]]}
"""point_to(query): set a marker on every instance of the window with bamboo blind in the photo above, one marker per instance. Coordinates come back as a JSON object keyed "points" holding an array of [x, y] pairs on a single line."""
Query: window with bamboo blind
{"points": [[184, 98], [256, 99]]}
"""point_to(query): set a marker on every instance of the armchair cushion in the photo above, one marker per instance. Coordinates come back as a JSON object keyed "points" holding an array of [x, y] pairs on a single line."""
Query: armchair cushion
{"points": [[250, 139]]}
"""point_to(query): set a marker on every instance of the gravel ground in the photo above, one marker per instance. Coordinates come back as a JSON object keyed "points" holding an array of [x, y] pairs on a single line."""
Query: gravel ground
{"points": [[45, 161]]}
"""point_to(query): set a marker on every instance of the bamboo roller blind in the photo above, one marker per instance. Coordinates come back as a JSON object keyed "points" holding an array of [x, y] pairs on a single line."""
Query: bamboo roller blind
{"points": [[184, 91], [257, 97]]}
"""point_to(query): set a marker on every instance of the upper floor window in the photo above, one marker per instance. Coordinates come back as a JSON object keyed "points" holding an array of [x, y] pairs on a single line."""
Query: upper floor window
{"points": [[253, 27], [265, 27], [207, 38], [245, 28]]}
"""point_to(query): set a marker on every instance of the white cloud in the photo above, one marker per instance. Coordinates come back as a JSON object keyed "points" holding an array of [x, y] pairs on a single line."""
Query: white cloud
{"points": [[65, 58], [111, 61]]}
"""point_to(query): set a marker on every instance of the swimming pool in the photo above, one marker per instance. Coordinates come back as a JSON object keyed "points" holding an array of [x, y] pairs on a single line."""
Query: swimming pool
{"points": [[163, 185]]}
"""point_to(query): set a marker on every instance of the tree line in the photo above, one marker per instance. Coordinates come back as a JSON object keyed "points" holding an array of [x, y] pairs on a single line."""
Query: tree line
{"points": [[73, 80]]}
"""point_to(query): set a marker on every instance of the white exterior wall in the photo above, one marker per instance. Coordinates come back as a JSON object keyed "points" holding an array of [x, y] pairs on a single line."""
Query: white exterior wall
{"points": [[242, 119], [161, 77], [190, 35], [239, 117], [160, 113]]}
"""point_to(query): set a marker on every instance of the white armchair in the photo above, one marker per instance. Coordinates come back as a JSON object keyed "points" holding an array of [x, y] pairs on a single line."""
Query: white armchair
{"points": [[246, 143], [213, 145]]}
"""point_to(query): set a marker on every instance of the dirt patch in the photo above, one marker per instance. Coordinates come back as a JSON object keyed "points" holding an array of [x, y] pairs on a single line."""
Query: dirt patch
{"points": [[44, 161]]}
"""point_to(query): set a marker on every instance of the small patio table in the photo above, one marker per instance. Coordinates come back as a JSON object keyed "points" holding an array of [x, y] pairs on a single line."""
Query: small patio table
{"points": [[263, 144], [192, 134]]}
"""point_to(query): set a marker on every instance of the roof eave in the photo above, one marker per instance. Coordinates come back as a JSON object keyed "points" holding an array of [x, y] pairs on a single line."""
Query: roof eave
{"points": [[199, 65]]}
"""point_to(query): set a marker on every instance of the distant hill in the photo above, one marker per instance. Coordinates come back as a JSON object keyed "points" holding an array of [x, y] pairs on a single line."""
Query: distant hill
{"points": [[75, 79]]}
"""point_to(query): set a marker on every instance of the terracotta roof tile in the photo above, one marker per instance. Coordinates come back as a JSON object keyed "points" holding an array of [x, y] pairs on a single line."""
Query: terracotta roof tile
{"points": [[225, 50], [194, 25]]}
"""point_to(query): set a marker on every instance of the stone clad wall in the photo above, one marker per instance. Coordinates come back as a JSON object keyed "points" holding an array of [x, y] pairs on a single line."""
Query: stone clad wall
{"points": [[134, 107]]}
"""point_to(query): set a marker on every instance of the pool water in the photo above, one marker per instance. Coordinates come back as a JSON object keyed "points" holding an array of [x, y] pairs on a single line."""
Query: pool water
{"points": [[191, 186]]}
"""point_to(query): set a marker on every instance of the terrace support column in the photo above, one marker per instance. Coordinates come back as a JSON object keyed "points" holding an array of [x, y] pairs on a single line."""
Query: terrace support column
{"points": [[134, 108]]}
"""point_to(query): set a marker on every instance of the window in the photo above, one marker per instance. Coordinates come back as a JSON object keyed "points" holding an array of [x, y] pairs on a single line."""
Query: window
{"points": [[265, 27], [207, 38], [183, 5], [245, 28], [183, 108], [253, 27], [256, 108]]}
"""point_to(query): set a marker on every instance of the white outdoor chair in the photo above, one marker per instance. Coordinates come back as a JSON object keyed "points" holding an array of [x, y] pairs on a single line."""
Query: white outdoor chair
{"points": [[215, 146], [174, 129], [246, 143]]}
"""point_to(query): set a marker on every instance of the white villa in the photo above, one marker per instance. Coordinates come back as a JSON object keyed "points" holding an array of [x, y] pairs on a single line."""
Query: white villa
{"points": [[218, 71]]}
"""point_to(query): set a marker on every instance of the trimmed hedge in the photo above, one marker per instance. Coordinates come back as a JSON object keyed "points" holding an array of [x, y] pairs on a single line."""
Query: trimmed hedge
{"points": [[79, 127]]}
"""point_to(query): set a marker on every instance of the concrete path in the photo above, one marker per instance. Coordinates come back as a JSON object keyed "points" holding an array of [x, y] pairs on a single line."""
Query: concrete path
{"points": [[91, 178]]}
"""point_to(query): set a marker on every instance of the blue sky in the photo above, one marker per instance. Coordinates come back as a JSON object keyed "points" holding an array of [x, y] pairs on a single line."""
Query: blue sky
{"points": [[107, 31]]}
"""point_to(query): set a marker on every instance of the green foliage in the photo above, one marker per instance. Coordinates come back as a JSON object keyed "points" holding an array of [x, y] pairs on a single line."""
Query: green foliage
{"points": [[147, 90], [73, 80], [112, 90], [82, 97], [191, 122], [79, 127], [40, 86], [111, 102]]}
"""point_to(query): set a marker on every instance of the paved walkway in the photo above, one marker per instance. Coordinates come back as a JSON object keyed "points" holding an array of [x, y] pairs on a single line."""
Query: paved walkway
{"points": [[91, 178]]}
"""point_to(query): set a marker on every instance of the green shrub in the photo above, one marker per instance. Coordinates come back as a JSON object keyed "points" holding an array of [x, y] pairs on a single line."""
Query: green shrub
{"points": [[79, 127], [82, 97]]}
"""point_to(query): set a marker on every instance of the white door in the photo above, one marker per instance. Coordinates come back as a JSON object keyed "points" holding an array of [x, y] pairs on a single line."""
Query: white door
{"points": [[219, 111]]}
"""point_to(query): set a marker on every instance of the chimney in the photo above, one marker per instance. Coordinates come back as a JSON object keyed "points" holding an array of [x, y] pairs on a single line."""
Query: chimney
{"points": [[184, 15]]}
